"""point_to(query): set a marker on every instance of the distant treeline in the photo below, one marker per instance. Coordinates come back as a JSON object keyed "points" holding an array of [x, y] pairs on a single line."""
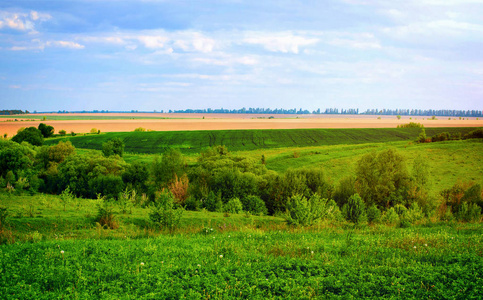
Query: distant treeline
{"points": [[336, 111], [13, 112], [294, 111]]}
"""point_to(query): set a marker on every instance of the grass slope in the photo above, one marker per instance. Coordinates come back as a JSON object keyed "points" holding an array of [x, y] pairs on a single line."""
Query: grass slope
{"points": [[190, 142]]}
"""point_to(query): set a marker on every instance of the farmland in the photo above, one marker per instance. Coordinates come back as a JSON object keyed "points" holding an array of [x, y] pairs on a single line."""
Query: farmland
{"points": [[112, 122], [98, 239]]}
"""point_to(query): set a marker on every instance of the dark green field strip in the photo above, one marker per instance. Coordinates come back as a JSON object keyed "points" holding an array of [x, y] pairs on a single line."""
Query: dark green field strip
{"points": [[190, 142]]}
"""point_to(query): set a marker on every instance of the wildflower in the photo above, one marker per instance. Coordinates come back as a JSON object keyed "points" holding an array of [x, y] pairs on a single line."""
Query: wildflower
{"points": [[62, 251], [199, 265], [142, 264], [414, 247], [425, 245], [312, 252], [221, 255]]}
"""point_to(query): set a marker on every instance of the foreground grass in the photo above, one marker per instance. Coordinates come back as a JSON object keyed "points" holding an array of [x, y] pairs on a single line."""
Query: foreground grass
{"points": [[371, 262], [65, 254]]}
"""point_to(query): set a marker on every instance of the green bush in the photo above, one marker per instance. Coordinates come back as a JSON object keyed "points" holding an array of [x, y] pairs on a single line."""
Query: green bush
{"points": [[192, 203], [105, 214], [213, 202], [468, 212], [354, 209], [390, 217], [254, 205], [233, 206], [306, 212], [165, 212], [373, 214]]}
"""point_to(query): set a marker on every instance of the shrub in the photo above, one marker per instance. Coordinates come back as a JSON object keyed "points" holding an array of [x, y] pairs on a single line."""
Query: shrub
{"points": [[354, 209], [62, 132], [165, 212], [413, 214], [192, 203], [373, 214], [468, 212], [105, 214], [390, 216], [306, 212], [254, 205], [179, 188], [475, 134], [93, 131], [113, 147], [213, 202], [140, 129], [443, 136], [31, 135], [411, 125], [233, 206]]}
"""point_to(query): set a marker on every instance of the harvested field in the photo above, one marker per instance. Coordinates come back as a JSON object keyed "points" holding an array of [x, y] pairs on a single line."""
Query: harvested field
{"points": [[80, 123]]}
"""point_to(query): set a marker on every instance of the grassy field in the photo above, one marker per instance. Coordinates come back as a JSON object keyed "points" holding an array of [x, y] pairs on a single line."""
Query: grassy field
{"points": [[192, 142], [64, 254]]}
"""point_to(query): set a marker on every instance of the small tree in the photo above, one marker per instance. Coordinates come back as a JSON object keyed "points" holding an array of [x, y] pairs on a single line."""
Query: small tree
{"points": [[31, 135], [165, 212], [67, 197], [113, 147], [233, 206], [306, 212], [62, 132], [354, 209], [46, 130]]}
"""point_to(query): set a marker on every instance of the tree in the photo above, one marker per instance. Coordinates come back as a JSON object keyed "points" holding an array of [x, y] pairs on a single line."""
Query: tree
{"points": [[31, 135], [382, 178], [171, 165], [114, 146], [46, 130]]}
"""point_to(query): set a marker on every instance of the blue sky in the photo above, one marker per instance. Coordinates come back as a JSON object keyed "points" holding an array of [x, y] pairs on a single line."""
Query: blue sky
{"points": [[174, 54]]}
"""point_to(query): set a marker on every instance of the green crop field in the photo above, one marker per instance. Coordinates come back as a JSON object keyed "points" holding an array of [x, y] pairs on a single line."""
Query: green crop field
{"points": [[192, 142]]}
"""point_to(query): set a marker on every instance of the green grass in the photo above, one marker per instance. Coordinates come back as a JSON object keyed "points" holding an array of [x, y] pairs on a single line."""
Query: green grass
{"points": [[448, 161], [76, 260], [192, 142]]}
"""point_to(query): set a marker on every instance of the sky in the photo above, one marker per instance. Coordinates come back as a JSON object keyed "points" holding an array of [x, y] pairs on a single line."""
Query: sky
{"points": [[151, 55]]}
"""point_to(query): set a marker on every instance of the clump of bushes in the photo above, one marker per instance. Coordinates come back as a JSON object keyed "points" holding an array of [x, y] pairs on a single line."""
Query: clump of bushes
{"points": [[411, 125]]}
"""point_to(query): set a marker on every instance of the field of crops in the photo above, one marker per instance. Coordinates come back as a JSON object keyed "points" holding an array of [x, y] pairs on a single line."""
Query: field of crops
{"points": [[190, 142]]}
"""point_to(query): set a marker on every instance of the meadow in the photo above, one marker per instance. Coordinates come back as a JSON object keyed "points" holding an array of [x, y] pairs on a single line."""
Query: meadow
{"points": [[54, 246], [212, 255]]}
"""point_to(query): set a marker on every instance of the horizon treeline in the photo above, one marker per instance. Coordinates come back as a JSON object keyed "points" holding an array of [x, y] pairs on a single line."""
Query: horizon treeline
{"points": [[293, 111]]}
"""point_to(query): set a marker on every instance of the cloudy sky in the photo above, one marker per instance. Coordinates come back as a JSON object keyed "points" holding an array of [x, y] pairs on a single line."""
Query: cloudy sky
{"points": [[177, 54]]}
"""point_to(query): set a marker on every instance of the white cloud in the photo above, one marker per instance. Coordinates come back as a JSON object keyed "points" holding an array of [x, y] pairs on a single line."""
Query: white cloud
{"points": [[21, 21], [153, 42], [64, 44], [279, 42]]}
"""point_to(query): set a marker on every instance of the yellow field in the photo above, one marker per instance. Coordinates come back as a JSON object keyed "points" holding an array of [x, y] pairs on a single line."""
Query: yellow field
{"points": [[177, 122]]}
